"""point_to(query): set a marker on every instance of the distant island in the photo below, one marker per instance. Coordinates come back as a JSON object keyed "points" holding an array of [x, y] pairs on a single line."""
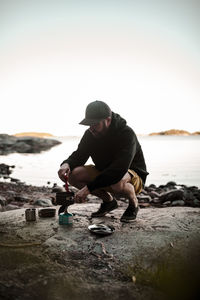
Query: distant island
{"points": [[175, 132], [34, 134], [25, 144]]}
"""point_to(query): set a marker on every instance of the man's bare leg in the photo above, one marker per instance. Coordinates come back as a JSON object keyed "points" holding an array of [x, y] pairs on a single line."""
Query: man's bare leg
{"points": [[80, 177], [126, 189]]}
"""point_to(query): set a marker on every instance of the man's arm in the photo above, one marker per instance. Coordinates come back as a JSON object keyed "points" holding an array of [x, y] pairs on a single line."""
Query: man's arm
{"points": [[64, 170], [81, 155], [81, 195]]}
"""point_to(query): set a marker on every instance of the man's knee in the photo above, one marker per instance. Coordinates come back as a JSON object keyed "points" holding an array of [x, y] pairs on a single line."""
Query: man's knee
{"points": [[120, 186], [79, 174]]}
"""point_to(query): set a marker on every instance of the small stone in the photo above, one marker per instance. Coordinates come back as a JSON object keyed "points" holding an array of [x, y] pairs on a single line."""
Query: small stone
{"points": [[162, 186], [11, 193], [14, 179], [44, 282], [196, 203], [17, 203], [196, 193], [171, 183], [156, 200], [134, 279], [178, 203], [154, 194], [11, 207], [144, 192], [43, 202], [21, 199], [144, 199], [167, 203], [152, 186], [3, 201], [58, 189], [188, 195]]}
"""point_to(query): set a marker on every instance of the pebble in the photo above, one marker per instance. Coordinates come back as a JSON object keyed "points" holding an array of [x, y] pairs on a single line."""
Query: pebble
{"points": [[58, 189], [144, 199], [21, 199], [11, 207], [196, 203], [3, 201], [167, 203], [178, 203], [43, 202]]}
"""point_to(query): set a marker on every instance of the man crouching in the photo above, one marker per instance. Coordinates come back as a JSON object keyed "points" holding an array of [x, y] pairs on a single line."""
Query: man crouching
{"points": [[119, 166]]}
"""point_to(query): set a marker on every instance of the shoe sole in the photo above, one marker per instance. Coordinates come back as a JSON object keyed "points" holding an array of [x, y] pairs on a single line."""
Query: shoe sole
{"points": [[127, 221]]}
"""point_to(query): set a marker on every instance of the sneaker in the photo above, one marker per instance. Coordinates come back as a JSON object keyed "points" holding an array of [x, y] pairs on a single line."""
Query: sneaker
{"points": [[130, 214], [105, 208]]}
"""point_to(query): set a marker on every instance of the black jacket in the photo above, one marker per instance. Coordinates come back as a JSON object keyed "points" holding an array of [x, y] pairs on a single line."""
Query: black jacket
{"points": [[112, 154]]}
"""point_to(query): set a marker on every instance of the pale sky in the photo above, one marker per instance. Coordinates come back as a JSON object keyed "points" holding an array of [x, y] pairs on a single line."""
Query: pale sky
{"points": [[142, 57]]}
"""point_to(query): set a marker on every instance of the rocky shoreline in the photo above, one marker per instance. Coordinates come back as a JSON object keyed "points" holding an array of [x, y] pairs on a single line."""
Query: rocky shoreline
{"points": [[17, 195], [26, 144]]}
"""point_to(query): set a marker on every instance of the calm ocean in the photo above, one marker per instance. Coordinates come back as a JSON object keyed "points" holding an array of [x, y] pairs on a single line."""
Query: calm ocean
{"points": [[168, 158]]}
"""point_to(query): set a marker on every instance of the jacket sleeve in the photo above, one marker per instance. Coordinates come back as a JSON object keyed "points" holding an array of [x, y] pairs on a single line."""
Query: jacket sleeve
{"points": [[120, 164], [81, 155]]}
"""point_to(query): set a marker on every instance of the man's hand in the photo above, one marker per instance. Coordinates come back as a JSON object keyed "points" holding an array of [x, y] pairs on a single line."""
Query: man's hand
{"points": [[64, 170], [81, 195]]}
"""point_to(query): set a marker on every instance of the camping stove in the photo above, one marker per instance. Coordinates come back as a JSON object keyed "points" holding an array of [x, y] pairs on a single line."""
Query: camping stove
{"points": [[65, 199]]}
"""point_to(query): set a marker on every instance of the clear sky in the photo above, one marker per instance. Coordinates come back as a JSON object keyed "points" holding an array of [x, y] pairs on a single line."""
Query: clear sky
{"points": [[142, 57]]}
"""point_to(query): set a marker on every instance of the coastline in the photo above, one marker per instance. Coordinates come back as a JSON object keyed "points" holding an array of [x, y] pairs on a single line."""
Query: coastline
{"points": [[17, 195]]}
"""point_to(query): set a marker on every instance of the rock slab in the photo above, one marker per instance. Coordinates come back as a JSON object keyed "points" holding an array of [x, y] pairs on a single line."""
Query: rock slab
{"points": [[129, 264]]}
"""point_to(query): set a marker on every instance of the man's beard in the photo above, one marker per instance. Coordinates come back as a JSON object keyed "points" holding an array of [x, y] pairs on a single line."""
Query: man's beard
{"points": [[98, 135]]}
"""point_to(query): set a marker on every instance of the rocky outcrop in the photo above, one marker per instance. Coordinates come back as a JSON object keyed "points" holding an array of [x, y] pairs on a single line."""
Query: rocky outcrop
{"points": [[5, 170], [10, 144], [196, 133], [35, 134], [175, 132], [171, 194]]}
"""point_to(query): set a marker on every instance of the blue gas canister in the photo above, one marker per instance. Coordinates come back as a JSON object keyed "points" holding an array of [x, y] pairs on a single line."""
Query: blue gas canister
{"points": [[65, 218]]}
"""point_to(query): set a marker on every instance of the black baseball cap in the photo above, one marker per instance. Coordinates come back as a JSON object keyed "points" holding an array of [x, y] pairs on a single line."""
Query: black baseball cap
{"points": [[95, 112]]}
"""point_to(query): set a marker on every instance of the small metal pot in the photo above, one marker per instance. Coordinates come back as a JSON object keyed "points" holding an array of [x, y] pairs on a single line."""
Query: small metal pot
{"points": [[30, 214], [47, 212]]}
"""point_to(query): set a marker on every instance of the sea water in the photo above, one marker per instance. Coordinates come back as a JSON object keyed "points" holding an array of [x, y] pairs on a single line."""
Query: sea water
{"points": [[168, 158]]}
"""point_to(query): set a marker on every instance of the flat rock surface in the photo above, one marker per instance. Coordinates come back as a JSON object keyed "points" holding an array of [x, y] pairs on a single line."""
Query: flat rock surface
{"points": [[154, 257]]}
